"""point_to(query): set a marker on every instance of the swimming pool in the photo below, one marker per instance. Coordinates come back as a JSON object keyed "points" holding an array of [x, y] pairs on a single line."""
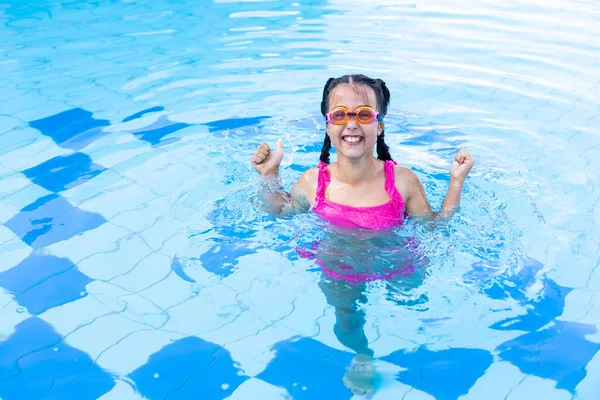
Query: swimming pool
{"points": [[134, 263]]}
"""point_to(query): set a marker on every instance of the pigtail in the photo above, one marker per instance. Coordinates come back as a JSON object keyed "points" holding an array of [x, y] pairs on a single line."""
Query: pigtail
{"points": [[383, 150], [325, 149]]}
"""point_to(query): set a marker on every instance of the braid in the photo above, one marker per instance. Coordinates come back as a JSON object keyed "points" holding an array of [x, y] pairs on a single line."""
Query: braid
{"points": [[383, 150], [325, 149]]}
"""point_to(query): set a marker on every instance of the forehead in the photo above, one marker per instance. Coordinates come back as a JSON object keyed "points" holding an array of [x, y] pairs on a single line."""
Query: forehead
{"points": [[352, 96]]}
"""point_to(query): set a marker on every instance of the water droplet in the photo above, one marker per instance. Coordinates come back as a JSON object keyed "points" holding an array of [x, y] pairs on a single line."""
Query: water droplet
{"points": [[304, 388], [225, 386], [82, 294], [55, 349], [155, 376], [20, 310]]}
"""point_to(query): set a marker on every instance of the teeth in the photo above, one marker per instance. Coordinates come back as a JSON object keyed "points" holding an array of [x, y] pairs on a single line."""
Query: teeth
{"points": [[352, 139]]}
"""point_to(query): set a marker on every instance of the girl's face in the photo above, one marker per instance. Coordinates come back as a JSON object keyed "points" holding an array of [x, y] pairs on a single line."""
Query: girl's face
{"points": [[353, 140]]}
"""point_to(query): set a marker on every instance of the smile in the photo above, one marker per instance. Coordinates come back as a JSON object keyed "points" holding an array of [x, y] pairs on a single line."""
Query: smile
{"points": [[352, 139]]}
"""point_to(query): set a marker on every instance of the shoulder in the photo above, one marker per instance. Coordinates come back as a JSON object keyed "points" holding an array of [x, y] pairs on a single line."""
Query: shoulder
{"points": [[406, 181], [309, 178]]}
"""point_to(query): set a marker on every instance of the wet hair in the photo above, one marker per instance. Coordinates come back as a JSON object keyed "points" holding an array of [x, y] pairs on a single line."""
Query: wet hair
{"points": [[382, 94]]}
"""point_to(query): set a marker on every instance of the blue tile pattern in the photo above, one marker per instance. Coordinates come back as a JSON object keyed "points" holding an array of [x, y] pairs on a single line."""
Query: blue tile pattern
{"points": [[52, 219], [35, 363], [41, 282], [135, 264]]}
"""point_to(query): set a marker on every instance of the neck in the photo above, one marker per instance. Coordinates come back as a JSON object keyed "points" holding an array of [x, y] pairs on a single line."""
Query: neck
{"points": [[355, 171]]}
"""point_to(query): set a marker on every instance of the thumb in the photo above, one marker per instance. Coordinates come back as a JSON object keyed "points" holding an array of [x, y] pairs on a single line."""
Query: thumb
{"points": [[279, 146], [279, 149]]}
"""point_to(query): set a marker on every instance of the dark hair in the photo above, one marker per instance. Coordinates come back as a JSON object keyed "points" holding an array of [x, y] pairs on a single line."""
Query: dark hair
{"points": [[382, 94]]}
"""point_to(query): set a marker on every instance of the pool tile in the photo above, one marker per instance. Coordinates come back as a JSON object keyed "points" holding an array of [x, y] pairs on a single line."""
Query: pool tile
{"points": [[217, 305], [543, 389], [496, 383], [169, 180], [146, 215], [144, 163], [255, 361], [28, 150], [41, 282], [127, 147], [147, 272], [170, 292], [102, 239], [74, 128], [64, 172], [443, 374], [122, 391], [257, 389], [129, 305], [104, 332], [8, 123], [156, 133], [129, 251], [47, 367], [12, 314], [52, 219], [11, 204], [308, 369], [559, 352], [106, 181], [111, 203], [71, 316], [590, 385], [187, 367]]}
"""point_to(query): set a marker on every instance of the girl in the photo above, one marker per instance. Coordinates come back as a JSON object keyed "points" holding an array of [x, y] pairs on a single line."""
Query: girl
{"points": [[357, 191]]}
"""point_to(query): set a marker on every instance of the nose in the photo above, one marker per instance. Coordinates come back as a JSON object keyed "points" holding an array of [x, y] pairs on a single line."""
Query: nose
{"points": [[352, 123]]}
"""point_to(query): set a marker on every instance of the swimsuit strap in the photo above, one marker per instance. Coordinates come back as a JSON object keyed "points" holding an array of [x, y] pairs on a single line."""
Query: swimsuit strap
{"points": [[390, 181], [322, 183]]}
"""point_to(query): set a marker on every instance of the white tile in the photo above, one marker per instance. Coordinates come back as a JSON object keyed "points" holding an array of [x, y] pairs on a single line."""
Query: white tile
{"points": [[100, 240], [11, 314], [103, 333], [170, 292], [35, 153], [49, 109], [255, 361], [145, 216], [122, 391], [110, 203], [104, 182], [414, 394], [121, 148], [12, 252], [162, 231], [129, 251], [8, 123], [129, 305], [581, 306], [589, 387], [534, 387], [496, 383], [149, 271], [135, 349], [255, 389], [12, 183], [70, 316], [216, 304], [143, 164], [241, 327], [11, 204], [169, 180]]}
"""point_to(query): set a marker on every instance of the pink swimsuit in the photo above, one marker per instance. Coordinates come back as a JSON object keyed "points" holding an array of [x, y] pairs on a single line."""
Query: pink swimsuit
{"points": [[385, 216]]}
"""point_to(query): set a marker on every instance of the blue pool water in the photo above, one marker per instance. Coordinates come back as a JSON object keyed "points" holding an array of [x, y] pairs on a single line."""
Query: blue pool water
{"points": [[134, 263]]}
